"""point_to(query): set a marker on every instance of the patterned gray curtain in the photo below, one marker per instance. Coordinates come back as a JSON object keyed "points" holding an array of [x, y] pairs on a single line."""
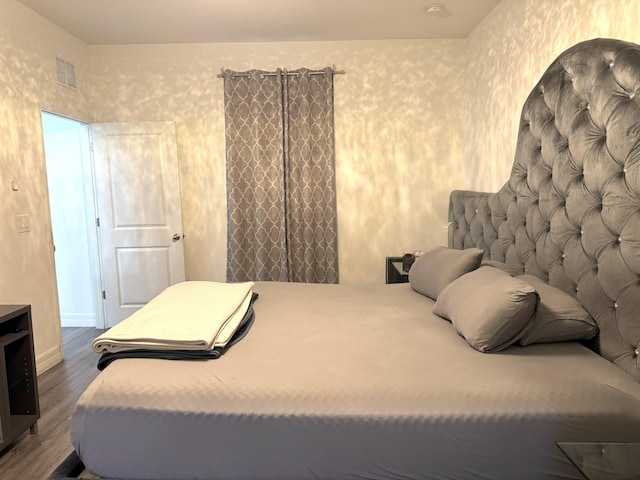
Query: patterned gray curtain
{"points": [[281, 195]]}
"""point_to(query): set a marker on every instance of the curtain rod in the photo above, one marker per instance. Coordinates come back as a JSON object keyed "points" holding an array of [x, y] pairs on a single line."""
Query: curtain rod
{"points": [[273, 74]]}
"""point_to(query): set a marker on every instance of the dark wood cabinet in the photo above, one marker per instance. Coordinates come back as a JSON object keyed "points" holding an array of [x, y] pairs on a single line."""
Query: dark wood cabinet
{"points": [[19, 406]]}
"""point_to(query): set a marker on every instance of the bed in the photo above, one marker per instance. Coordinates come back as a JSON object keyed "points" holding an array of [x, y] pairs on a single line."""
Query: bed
{"points": [[367, 382]]}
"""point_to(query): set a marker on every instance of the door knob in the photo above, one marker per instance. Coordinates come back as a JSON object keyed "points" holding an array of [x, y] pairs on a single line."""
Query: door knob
{"points": [[176, 237]]}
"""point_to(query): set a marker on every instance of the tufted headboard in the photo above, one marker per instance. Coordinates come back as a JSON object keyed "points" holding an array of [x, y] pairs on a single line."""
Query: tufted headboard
{"points": [[570, 211]]}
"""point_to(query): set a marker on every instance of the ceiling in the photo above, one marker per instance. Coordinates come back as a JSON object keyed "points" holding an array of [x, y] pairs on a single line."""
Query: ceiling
{"points": [[104, 22]]}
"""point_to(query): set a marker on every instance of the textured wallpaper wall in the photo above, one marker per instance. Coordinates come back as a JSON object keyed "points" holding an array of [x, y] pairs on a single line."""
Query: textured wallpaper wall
{"points": [[508, 53], [28, 47], [397, 114]]}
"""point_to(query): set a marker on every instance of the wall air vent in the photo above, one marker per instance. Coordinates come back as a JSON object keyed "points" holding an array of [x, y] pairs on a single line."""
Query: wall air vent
{"points": [[65, 73]]}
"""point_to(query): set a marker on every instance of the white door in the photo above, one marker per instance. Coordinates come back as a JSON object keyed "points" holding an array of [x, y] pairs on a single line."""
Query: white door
{"points": [[140, 220]]}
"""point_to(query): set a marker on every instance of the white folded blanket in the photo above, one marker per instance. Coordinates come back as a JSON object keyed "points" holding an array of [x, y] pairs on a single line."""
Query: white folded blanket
{"points": [[185, 316]]}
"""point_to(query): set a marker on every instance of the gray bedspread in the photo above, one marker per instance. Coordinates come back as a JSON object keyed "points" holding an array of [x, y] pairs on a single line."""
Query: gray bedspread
{"points": [[345, 382]]}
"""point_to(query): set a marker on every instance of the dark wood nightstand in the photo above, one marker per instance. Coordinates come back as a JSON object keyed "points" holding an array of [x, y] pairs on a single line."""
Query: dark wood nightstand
{"points": [[394, 273], [19, 406]]}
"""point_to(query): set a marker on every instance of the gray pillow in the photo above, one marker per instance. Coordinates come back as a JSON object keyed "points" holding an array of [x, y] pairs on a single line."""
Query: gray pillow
{"points": [[437, 268], [559, 318], [488, 307]]}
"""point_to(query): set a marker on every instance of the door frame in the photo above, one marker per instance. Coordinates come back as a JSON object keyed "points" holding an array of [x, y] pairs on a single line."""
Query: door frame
{"points": [[95, 264]]}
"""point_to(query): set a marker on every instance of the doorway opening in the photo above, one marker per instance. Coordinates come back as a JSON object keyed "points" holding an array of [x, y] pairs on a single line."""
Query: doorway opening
{"points": [[73, 219]]}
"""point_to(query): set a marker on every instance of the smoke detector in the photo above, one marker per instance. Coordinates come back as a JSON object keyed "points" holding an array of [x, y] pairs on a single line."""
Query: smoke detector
{"points": [[437, 10]]}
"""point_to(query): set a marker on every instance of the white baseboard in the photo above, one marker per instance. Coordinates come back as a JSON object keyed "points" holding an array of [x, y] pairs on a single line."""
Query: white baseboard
{"points": [[78, 319], [48, 359]]}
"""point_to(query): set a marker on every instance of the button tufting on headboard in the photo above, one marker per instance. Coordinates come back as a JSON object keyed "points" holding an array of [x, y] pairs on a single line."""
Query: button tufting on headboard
{"points": [[570, 211]]}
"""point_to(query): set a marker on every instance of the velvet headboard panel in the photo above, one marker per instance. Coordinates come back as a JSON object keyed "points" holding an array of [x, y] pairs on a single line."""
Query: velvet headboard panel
{"points": [[570, 211]]}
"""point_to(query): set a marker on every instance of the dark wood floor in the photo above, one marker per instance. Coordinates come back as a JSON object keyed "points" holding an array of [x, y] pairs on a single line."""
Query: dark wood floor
{"points": [[34, 457]]}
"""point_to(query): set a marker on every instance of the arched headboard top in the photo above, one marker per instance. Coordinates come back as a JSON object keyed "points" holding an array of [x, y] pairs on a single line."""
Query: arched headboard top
{"points": [[570, 211]]}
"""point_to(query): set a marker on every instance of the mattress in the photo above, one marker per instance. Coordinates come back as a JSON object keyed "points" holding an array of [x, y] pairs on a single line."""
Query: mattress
{"points": [[353, 382]]}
